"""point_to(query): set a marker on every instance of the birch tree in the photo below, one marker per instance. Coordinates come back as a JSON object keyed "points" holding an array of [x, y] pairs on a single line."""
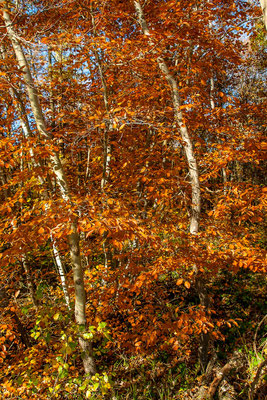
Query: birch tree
{"points": [[57, 169]]}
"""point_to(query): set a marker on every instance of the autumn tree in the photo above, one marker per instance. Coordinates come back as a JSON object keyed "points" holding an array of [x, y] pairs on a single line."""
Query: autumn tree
{"points": [[131, 151]]}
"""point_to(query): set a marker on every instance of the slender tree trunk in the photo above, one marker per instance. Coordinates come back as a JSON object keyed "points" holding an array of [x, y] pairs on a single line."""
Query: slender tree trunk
{"points": [[61, 272], [25, 266], [23, 118], [193, 173], [51, 98], [106, 146], [87, 172], [264, 11], [3, 181], [183, 130], [204, 342], [57, 169], [212, 87], [107, 158], [18, 103], [260, 371]]}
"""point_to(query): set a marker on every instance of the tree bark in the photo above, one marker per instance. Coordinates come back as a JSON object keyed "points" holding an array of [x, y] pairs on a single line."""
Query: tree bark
{"points": [[183, 130], [29, 281], [23, 118], [61, 272], [255, 381], [61, 179], [264, 11], [193, 173], [218, 384], [204, 343]]}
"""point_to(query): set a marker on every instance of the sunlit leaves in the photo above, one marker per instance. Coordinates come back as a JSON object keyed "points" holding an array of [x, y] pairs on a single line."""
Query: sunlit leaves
{"points": [[139, 260]]}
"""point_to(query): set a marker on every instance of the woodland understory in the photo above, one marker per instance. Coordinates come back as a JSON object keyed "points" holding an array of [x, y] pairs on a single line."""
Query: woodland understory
{"points": [[133, 199]]}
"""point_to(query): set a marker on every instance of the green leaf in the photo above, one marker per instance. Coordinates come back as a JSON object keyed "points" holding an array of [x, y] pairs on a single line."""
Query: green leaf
{"points": [[88, 336], [92, 328], [101, 326], [95, 386]]}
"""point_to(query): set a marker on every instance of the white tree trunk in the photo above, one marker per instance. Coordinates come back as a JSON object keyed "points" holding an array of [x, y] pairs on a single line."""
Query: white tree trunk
{"points": [[193, 172], [61, 272], [57, 169], [264, 11], [20, 108], [188, 146]]}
